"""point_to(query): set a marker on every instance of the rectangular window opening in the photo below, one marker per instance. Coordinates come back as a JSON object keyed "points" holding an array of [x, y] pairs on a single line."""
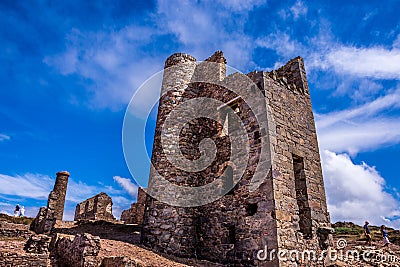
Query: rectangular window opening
{"points": [[232, 234], [228, 119], [305, 222]]}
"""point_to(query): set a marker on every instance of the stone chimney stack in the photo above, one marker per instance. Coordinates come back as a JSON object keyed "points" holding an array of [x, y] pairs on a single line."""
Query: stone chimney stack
{"points": [[56, 199]]}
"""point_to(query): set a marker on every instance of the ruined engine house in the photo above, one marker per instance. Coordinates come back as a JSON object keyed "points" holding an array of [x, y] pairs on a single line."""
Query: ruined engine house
{"points": [[286, 211]]}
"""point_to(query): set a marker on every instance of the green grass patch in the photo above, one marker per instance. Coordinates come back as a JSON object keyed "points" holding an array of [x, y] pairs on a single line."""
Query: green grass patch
{"points": [[17, 220]]}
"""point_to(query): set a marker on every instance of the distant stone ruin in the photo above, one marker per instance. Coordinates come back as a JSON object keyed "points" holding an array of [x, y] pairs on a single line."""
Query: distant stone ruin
{"points": [[98, 207], [47, 216], [134, 215]]}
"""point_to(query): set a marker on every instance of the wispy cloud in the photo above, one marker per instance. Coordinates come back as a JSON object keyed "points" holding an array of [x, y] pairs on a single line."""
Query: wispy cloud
{"points": [[34, 186], [282, 43], [354, 188], [298, 9], [114, 63], [128, 185], [238, 5], [376, 62], [362, 128], [110, 60], [4, 137], [371, 14], [209, 28], [295, 11]]}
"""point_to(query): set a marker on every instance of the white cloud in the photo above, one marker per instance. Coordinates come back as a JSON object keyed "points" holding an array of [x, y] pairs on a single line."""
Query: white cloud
{"points": [[239, 5], [324, 52], [360, 136], [298, 9], [4, 137], [371, 14], [391, 100], [6, 208], [353, 189], [111, 61], [362, 128], [396, 43], [35, 186], [281, 43], [376, 62], [128, 185], [209, 28]]}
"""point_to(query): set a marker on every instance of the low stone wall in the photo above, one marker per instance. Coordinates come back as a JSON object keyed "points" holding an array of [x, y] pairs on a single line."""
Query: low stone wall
{"points": [[10, 259], [120, 262], [79, 250], [12, 230]]}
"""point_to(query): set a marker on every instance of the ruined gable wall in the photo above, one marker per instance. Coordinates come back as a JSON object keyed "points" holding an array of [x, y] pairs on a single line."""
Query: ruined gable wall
{"points": [[98, 207]]}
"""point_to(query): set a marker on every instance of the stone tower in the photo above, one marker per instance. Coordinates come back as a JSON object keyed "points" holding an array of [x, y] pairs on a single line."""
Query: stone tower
{"points": [[286, 211], [56, 199], [48, 216]]}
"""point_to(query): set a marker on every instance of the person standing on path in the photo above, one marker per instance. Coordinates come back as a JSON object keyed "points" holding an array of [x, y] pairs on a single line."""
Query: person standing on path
{"points": [[16, 211], [367, 234], [385, 236], [22, 212]]}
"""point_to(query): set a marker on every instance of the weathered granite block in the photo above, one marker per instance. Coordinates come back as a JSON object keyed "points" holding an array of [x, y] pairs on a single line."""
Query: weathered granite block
{"points": [[79, 250]]}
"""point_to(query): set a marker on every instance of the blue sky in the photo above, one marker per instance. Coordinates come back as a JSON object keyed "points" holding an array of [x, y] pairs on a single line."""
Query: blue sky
{"points": [[70, 69]]}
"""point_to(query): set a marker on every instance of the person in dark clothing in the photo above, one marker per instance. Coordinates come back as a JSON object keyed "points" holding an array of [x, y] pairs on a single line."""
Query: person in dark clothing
{"points": [[16, 211], [367, 234]]}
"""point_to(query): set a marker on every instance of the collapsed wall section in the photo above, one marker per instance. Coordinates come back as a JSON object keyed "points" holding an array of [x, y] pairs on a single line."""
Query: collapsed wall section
{"points": [[134, 215]]}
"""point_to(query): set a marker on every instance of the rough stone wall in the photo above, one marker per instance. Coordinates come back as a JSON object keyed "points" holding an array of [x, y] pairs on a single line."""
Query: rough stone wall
{"points": [[56, 200], [27, 260], [47, 216], [285, 212], [80, 250], [121, 262], [299, 194], [134, 215], [98, 207], [158, 233], [12, 230], [38, 244]]}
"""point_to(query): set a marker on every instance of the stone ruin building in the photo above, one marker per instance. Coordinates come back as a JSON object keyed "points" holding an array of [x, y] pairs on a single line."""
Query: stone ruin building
{"points": [[98, 207], [95, 208], [48, 216], [287, 211], [134, 215]]}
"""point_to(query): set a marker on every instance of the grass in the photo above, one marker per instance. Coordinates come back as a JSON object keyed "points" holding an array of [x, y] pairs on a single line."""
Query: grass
{"points": [[348, 231], [16, 220], [356, 232]]}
